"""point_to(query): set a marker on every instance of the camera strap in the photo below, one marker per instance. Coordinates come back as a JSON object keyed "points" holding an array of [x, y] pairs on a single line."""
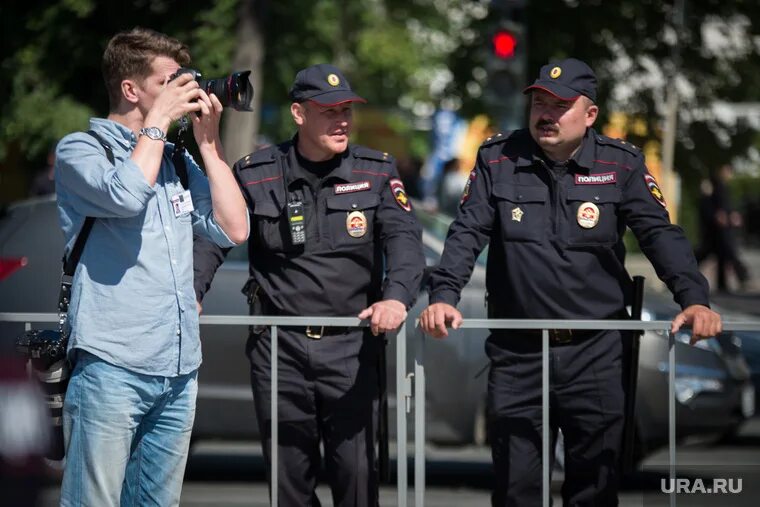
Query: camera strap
{"points": [[178, 155]]}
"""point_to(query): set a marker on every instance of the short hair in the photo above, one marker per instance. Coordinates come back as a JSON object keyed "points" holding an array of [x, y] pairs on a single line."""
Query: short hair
{"points": [[130, 54]]}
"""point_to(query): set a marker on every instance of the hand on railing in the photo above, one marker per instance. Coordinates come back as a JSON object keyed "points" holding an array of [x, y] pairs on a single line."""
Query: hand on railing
{"points": [[385, 315], [704, 322], [435, 318]]}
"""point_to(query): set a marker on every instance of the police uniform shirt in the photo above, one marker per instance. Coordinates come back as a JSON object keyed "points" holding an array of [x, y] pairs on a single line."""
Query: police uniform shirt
{"points": [[358, 227], [555, 236]]}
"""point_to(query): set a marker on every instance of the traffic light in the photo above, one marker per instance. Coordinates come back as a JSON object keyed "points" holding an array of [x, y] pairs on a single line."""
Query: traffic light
{"points": [[504, 44], [505, 65]]}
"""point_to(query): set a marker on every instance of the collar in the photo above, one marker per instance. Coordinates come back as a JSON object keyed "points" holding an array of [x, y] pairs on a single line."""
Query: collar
{"points": [[583, 158], [296, 172]]}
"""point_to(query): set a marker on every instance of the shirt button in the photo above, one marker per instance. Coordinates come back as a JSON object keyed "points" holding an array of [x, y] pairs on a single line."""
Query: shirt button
{"points": [[174, 261], [178, 332]]}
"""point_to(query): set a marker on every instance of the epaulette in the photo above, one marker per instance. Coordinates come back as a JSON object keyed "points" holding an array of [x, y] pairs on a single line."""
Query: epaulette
{"points": [[255, 158], [500, 137], [370, 154], [618, 143]]}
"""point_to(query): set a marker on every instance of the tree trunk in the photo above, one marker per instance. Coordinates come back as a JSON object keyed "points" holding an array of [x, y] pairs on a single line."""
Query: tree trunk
{"points": [[240, 129]]}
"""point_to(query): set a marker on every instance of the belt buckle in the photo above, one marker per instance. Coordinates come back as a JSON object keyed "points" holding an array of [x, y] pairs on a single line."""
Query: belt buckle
{"points": [[313, 334], [561, 335]]}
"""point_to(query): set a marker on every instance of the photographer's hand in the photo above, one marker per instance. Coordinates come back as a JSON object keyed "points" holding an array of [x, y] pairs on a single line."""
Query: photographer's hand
{"points": [[206, 125], [176, 98], [227, 201]]}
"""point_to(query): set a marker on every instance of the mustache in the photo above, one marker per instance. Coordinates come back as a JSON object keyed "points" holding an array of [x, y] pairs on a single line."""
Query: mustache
{"points": [[546, 123]]}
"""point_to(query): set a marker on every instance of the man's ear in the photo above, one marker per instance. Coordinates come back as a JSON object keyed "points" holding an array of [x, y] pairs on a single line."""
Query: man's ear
{"points": [[591, 113], [129, 90], [298, 111]]}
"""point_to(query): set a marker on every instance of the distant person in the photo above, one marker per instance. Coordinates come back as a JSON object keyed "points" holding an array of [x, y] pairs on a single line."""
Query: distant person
{"points": [[44, 181], [450, 186], [134, 336], [706, 217], [727, 221], [409, 172]]}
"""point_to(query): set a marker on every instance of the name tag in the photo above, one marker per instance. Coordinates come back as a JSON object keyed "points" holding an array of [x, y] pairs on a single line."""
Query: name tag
{"points": [[182, 203]]}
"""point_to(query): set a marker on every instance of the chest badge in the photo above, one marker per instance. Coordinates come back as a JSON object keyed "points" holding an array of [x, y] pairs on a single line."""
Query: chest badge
{"points": [[517, 214], [356, 224], [588, 215]]}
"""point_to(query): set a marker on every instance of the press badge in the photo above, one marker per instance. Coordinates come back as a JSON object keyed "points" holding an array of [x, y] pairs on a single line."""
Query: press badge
{"points": [[182, 203], [297, 224]]}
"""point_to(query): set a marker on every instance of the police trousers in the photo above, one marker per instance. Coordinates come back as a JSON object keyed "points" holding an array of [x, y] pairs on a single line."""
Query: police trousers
{"points": [[586, 402], [327, 393]]}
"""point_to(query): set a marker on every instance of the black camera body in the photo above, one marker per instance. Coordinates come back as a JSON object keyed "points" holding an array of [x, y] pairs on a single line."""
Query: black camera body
{"points": [[46, 349], [233, 91], [43, 347]]}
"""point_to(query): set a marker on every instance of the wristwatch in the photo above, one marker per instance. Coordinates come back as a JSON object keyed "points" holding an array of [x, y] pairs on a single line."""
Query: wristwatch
{"points": [[154, 133]]}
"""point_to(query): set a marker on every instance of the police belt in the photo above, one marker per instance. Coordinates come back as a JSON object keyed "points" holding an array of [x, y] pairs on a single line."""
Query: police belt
{"points": [[556, 336], [318, 332]]}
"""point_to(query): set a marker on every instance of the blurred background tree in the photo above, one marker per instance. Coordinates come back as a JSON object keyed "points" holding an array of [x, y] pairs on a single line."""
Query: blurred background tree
{"points": [[409, 58]]}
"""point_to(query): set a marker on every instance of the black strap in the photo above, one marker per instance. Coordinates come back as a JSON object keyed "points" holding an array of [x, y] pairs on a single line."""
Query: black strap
{"points": [[178, 158]]}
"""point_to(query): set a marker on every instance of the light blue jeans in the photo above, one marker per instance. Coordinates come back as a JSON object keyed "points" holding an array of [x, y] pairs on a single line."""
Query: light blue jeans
{"points": [[126, 434]]}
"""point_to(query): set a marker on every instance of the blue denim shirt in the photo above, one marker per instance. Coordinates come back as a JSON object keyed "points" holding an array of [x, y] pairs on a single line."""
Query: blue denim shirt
{"points": [[133, 302]]}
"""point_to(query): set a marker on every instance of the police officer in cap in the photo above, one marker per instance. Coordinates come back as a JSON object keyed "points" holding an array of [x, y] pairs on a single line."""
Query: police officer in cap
{"points": [[332, 234], [553, 201]]}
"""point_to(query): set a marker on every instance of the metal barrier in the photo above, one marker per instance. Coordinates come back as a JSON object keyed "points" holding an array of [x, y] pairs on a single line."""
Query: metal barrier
{"points": [[544, 326], [403, 381]]}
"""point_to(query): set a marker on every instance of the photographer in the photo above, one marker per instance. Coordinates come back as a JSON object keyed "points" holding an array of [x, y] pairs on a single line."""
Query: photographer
{"points": [[134, 339]]}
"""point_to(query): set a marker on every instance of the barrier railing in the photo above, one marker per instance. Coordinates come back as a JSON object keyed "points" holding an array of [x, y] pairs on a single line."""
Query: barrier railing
{"points": [[544, 326], [403, 381]]}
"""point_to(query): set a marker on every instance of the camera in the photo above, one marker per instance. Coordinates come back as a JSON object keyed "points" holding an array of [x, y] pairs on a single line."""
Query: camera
{"points": [[46, 349], [233, 91]]}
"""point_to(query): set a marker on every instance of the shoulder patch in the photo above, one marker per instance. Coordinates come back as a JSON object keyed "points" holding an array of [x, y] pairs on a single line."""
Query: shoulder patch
{"points": [[618, 143], [399, 193], [369, 153], [654, 189]]}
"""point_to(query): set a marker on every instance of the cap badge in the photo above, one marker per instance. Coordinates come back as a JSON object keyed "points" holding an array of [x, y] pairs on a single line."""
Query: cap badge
{"points": [[588, 215], [517, 215], [555, 73], [333, 80], [356, 224]]}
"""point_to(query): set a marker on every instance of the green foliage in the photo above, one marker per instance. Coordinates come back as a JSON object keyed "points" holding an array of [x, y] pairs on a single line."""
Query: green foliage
{"points": [[51, 60], [405, 56]]}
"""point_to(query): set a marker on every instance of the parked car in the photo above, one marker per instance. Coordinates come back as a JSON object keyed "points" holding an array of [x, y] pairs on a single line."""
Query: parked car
{"points": [[714, 392]]}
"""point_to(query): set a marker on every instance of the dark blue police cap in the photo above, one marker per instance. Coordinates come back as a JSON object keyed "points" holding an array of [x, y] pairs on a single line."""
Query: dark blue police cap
{"points": [[567, 79], [323, 84]]}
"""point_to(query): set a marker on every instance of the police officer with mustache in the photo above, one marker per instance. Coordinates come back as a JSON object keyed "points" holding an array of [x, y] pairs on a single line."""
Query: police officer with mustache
{"points": [[552, 202]]}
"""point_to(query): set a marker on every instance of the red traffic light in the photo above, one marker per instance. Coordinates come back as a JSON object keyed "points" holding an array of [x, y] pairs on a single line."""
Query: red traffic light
{"points": [[504, 44]]}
